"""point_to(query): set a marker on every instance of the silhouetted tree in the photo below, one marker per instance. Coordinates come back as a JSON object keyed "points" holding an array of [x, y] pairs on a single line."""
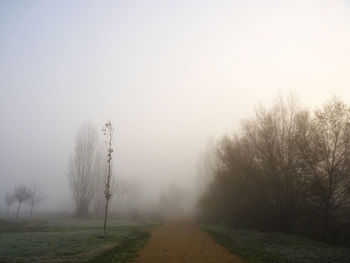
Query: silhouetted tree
{"points": [[272, 136], [205, 166], [286, 170], [36, 196], [21, 194], [108, 131], [330, 182]]}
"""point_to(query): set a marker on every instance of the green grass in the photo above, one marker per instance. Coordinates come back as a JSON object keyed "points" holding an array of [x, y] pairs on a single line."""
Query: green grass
{"points": [[258, 247], [71, 241]]}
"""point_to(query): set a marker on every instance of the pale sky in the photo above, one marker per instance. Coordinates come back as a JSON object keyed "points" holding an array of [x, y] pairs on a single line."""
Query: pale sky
{"points": [[166, 73]]}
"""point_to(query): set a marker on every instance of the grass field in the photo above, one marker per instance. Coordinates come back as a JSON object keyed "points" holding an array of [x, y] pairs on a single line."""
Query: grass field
{"points": [[257, 247], [71, 241]]}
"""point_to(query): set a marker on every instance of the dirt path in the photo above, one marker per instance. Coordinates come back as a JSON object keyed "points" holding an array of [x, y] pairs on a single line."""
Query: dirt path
{"points": [[182, 241]]}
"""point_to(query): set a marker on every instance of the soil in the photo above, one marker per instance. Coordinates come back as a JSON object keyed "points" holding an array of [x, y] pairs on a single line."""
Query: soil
{"points": [[182, 242]]}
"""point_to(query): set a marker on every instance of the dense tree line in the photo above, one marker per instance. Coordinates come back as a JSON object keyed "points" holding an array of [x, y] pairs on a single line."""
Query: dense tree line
{"points": [[288, 169]]}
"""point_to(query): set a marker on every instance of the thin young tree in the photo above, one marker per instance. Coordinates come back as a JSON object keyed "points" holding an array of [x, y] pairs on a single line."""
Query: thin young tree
{"points": [[101, 170], [108, 131]]}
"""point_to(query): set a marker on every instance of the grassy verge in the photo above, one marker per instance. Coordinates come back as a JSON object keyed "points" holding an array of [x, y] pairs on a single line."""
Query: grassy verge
{"points": [[124, 250], [71, 241], [257, 247]]}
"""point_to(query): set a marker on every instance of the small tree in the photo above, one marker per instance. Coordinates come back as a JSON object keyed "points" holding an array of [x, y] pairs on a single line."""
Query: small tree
{"points": [[108, 131], [21, 195], [9, 201], [36, 196], [206, 166]]}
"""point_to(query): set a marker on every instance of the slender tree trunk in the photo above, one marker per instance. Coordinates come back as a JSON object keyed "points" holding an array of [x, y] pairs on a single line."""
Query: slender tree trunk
{"points": [[7, 212], [105, 223], [108, 130], [107, 199], [19, 205]]}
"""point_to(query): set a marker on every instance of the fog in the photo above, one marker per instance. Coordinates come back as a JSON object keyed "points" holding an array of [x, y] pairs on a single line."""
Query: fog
{"points": [[168, 74]]}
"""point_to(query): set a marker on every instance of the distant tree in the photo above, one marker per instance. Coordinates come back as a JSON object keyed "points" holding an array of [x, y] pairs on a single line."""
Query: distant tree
{"points": [[206, 166], [129, 195], [100, 173], [36, 196], [108, 131], [82, 169], [21, 194], [173, 203], [9, 198]]}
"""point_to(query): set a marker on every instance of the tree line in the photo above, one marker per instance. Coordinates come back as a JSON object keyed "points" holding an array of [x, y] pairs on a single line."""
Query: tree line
{"points": [[287, 169]]}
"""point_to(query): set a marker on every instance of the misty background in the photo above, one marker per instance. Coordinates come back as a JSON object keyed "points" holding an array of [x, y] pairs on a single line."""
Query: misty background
{"points": [[167, 74]]}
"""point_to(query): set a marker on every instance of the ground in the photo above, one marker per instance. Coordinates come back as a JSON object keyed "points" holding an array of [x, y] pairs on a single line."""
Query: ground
{"points": [[71, 241], [81, 241], [181, 241], [258, 247]]}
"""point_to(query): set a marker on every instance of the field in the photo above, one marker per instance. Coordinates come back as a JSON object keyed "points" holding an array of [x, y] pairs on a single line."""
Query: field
{"points": [[71, 241], [257, 247], [82, 241]]}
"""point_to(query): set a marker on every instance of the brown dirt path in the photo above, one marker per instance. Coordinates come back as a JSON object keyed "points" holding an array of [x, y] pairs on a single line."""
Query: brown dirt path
{"points": [[182, 241]]}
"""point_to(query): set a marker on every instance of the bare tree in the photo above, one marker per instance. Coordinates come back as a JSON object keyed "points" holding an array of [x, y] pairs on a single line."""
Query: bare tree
{"points": [[36, 196], [330, 177], [9, 198], [82, 168], [21, 195], [287, 170], [108, 131], [273, 135], [206, 166]]}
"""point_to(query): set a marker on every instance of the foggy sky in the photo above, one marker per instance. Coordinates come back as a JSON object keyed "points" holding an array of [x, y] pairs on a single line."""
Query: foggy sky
{"points": [[167, 74]]}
